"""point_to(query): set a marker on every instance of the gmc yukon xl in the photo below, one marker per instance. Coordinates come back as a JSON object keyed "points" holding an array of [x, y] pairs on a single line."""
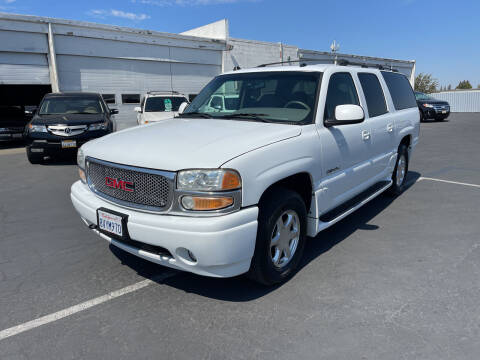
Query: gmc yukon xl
{"points": [[221, 193]]}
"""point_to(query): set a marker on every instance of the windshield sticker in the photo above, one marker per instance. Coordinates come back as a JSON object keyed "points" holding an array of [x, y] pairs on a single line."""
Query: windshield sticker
{"points": [[168, 104]]}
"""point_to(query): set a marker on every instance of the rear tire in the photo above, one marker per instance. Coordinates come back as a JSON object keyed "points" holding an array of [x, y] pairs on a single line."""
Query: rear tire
{"points": [[281, 237], [34, 158], [399, 176]]}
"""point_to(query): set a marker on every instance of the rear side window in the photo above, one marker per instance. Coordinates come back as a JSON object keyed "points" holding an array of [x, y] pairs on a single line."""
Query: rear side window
{"points": [[373, 94], [341, 91], [400, 89]]}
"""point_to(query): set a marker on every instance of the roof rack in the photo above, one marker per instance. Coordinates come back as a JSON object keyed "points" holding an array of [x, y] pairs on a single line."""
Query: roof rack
{"points": [[154, 92], [343, 62], [302, 63]]}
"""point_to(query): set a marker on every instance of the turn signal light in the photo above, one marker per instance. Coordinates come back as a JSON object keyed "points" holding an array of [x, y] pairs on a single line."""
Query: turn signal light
{"points": [[82, 176], [200, 203], [231, 180]]}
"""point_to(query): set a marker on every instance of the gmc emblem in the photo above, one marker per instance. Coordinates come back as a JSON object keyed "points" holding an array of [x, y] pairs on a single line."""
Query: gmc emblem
{"points": [[119, 184]]}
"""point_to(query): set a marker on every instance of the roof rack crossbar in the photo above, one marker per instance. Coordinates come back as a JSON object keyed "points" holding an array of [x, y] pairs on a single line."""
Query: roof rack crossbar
{"points": [[301, 61], [344, 62], [155, 92]]}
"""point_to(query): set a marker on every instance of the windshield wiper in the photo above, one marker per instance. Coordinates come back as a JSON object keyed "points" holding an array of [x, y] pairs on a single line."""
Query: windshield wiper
{"points": [[248, 116], [196, 114]]}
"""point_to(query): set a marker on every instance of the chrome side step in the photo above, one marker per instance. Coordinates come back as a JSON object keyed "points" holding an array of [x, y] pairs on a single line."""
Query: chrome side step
{"points": [[342, 211]]}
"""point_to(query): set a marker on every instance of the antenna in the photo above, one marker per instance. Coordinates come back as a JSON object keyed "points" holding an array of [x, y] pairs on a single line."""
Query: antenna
{"points": [[335, 47]]}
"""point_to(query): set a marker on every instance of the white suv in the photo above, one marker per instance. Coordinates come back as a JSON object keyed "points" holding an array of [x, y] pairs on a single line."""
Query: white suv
{"points": [[157, 106], [221, 193]]}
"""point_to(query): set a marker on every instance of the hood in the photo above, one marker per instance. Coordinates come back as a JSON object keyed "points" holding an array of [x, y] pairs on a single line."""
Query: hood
{"points": [[158, 116], [68, 119], [178, 144], [432, 101]]}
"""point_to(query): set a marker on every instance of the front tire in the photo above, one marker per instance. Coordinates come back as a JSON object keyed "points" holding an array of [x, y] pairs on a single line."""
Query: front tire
{"points": [[281, 237], [400, 172], [34, 158]]}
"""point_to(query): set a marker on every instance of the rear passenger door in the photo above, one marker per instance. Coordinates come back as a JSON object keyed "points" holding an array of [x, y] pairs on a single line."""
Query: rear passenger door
{"points": [[380, 122]]}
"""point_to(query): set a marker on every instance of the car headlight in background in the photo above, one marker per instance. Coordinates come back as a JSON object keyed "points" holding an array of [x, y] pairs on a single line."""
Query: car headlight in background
{"points": [[81, 165], [37, 128], [208, 180], [98, 126], [427, 105]]}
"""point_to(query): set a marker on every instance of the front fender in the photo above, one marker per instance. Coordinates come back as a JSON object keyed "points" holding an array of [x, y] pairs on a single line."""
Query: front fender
{"points": [[265, 166]]}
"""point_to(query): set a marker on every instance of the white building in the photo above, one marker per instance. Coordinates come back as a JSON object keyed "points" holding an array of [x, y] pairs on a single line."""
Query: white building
{"points": [[40, 55]]}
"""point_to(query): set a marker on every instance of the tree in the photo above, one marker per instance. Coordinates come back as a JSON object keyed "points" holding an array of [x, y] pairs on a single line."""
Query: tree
{"points": [[449, 87], [425, 83], [465, 84]]}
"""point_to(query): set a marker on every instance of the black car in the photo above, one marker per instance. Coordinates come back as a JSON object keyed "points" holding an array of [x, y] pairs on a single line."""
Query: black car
{"points": [[64, 122], [13, 119], [431, 108]]}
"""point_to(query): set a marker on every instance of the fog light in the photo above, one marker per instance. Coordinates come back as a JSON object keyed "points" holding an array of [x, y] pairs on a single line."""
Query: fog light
{"points": [[200, 203]]}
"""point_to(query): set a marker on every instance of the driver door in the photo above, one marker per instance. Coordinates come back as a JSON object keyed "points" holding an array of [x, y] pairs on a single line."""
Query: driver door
{"points": [[345, 148]]}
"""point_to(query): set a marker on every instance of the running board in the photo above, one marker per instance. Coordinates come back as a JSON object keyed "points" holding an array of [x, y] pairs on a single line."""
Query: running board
{"points": [[342, 211]]}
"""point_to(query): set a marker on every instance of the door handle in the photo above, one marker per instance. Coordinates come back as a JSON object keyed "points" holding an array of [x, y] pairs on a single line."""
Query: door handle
{"points": [[390, 127], [366, 135]]}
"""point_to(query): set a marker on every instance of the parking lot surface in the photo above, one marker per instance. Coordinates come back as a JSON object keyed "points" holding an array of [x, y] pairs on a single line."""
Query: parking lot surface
{"points": [[398, 279]]}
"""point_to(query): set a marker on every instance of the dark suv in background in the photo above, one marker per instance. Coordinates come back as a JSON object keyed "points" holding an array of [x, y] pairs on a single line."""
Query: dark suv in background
{"points": [[64, 122], [431, 108], [13, 119]]}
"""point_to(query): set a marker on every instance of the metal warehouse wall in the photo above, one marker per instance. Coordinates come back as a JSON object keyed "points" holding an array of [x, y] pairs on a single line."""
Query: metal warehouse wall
{"points": [[105, 59], [405, 67], [250, 53], [461, 101]]}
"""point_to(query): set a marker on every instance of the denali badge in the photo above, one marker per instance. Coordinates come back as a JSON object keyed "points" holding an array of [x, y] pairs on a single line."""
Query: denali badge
{"points": [[119, 184]]}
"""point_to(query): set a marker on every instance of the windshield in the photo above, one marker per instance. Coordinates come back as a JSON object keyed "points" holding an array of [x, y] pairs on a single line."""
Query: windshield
{"points": [[282, 96], [160, 104], [422, 96], [71, 105]]}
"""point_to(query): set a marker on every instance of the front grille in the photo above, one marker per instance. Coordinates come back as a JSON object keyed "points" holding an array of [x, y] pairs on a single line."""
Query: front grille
{"points": [[146, 188], [441, 107]]}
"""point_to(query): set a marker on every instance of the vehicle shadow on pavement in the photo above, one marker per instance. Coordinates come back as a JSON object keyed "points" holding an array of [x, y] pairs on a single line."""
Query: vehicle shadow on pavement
{"points": [[241, 289], [18, 144]]}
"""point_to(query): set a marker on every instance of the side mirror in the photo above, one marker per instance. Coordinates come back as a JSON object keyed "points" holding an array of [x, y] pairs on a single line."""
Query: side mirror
{"points": [[137, 109], [182, 107], [113, 111], [346, 114]]}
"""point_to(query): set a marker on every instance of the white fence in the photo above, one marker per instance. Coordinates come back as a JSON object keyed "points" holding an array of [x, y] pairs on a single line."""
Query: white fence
{"points": [[461, 101]]}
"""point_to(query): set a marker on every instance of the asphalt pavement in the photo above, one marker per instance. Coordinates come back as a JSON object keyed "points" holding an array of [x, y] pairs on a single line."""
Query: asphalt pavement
{"points": [[398, 279]]}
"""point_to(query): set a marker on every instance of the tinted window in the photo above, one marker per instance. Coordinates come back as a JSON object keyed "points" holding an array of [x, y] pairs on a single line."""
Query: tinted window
{"points": [[159, 104], [109, 98], [400, 90], [130, 98], [341, 91], [71, 105], [373, 94]]}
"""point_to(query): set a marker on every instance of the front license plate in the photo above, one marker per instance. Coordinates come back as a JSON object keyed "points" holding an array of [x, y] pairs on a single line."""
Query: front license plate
{"points": [[110, 223], [17, 136], [444, 111], [67, 144]]}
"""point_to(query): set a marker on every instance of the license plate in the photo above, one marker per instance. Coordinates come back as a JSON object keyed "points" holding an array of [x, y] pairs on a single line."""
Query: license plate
{"points": [[110, 223], [444, 111], [67, 144], [17, 136]]}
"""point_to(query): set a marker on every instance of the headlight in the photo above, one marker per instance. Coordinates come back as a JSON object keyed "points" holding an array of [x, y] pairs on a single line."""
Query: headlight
{"points": [[80, 159], [428, 105], [98, 126], [37, 128], [208, 180]]}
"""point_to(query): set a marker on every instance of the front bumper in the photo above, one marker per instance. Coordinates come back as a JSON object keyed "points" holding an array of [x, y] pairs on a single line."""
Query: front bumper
{"points": [[48, 144], [11, 134], [223, 245]]}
